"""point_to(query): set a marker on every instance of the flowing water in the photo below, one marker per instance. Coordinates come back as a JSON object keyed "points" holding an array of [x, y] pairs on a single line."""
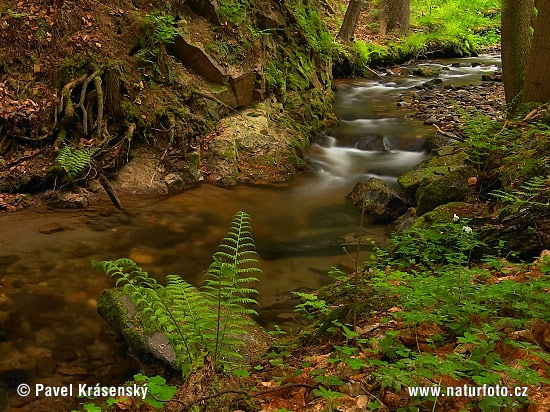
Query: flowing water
{"points": [[50, 331]]}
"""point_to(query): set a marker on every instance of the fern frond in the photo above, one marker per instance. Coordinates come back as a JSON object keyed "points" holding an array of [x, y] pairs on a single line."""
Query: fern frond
{"points": [[75, 161]]}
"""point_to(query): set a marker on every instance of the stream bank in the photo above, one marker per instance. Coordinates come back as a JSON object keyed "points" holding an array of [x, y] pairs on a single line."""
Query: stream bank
{"points": [[153, 82], [178, 234]]}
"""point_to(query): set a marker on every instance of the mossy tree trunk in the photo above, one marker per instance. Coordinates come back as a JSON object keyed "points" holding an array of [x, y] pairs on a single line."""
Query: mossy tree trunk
{"points": [[350, 20], [516, 40], [537, 75], [396, 17]]}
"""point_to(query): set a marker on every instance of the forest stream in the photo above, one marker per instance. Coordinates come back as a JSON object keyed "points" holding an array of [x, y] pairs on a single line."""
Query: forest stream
{"points": [[49, 291]]}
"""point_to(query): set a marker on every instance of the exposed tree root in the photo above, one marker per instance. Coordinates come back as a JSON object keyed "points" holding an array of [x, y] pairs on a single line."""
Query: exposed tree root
{"points": [[99, 91], [214, 99], [65, 104], [83, 98]]}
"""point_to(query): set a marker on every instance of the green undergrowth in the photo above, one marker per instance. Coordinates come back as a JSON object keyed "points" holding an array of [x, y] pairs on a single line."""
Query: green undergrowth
{"points": [[449, 28], [512, 158], [445, 320]]}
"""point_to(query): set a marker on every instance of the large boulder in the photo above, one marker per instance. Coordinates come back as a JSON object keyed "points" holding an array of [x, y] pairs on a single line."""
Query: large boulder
{"points": [[436, 165], [450, 187], [440, 179], [378, 200], [150, 345]]}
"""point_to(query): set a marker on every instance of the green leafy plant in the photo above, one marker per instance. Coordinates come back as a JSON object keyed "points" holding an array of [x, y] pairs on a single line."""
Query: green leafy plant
{"points": [[226, 280], [528, 193], [311, 305], [199, 321], [75, 160], [329, 395], [16, 15], [448, 242], [158, 393], [158, 31]]}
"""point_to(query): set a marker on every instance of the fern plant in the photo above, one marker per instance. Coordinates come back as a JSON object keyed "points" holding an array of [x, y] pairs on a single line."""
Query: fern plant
{"points": [[75, 161], [199, 322], [225, 282], [527, 193]]}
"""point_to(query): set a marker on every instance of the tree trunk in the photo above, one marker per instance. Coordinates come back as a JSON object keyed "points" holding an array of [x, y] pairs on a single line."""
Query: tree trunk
{"points": [[395, 17], [516, 40], [537, 76], [350, 20]]}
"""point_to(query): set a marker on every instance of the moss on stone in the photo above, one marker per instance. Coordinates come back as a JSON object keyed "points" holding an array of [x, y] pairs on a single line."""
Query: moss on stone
{"points": [[450, 187], [431, 169]]}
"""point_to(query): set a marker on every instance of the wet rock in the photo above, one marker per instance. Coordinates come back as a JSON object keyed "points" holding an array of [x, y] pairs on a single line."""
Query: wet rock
{"points": [[427, 71], [378, 200], [437, 141], [45, 366], [142, 174], [432, 83], [141, 258], [52, 227], [71, 370], [64, 354], [402, 103], [371, 143], [182, 180], [406, 221], [493, 77], [151, 346], [69, 200], [430, 120], [6, 260], [280, 309]]}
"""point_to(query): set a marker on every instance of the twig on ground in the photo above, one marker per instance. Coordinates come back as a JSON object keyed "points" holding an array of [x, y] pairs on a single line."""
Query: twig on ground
{"points": [[449, 135], [14, 162], [187, 406]]}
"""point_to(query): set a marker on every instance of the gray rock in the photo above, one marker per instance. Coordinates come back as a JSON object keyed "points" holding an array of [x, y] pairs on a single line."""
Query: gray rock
{"points": [[79, 199], [151, 346], [406, 221], [199, 61], [430, 120], [378, 200]]}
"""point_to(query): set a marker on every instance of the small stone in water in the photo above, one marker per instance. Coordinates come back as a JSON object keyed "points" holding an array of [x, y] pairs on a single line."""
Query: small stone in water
{"points": [[430, 120], [52, 227], [141, 257]]}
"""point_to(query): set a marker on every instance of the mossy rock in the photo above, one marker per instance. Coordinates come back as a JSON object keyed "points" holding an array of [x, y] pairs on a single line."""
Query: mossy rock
{"points": [[378, 200], [451, 187], [151, 346], [445, 213], [427, 71], [146, 342], [433, 168]]}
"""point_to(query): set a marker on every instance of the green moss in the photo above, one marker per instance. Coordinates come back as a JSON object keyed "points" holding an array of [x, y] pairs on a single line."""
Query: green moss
{"points": [[236, 12], [431, 169]]}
